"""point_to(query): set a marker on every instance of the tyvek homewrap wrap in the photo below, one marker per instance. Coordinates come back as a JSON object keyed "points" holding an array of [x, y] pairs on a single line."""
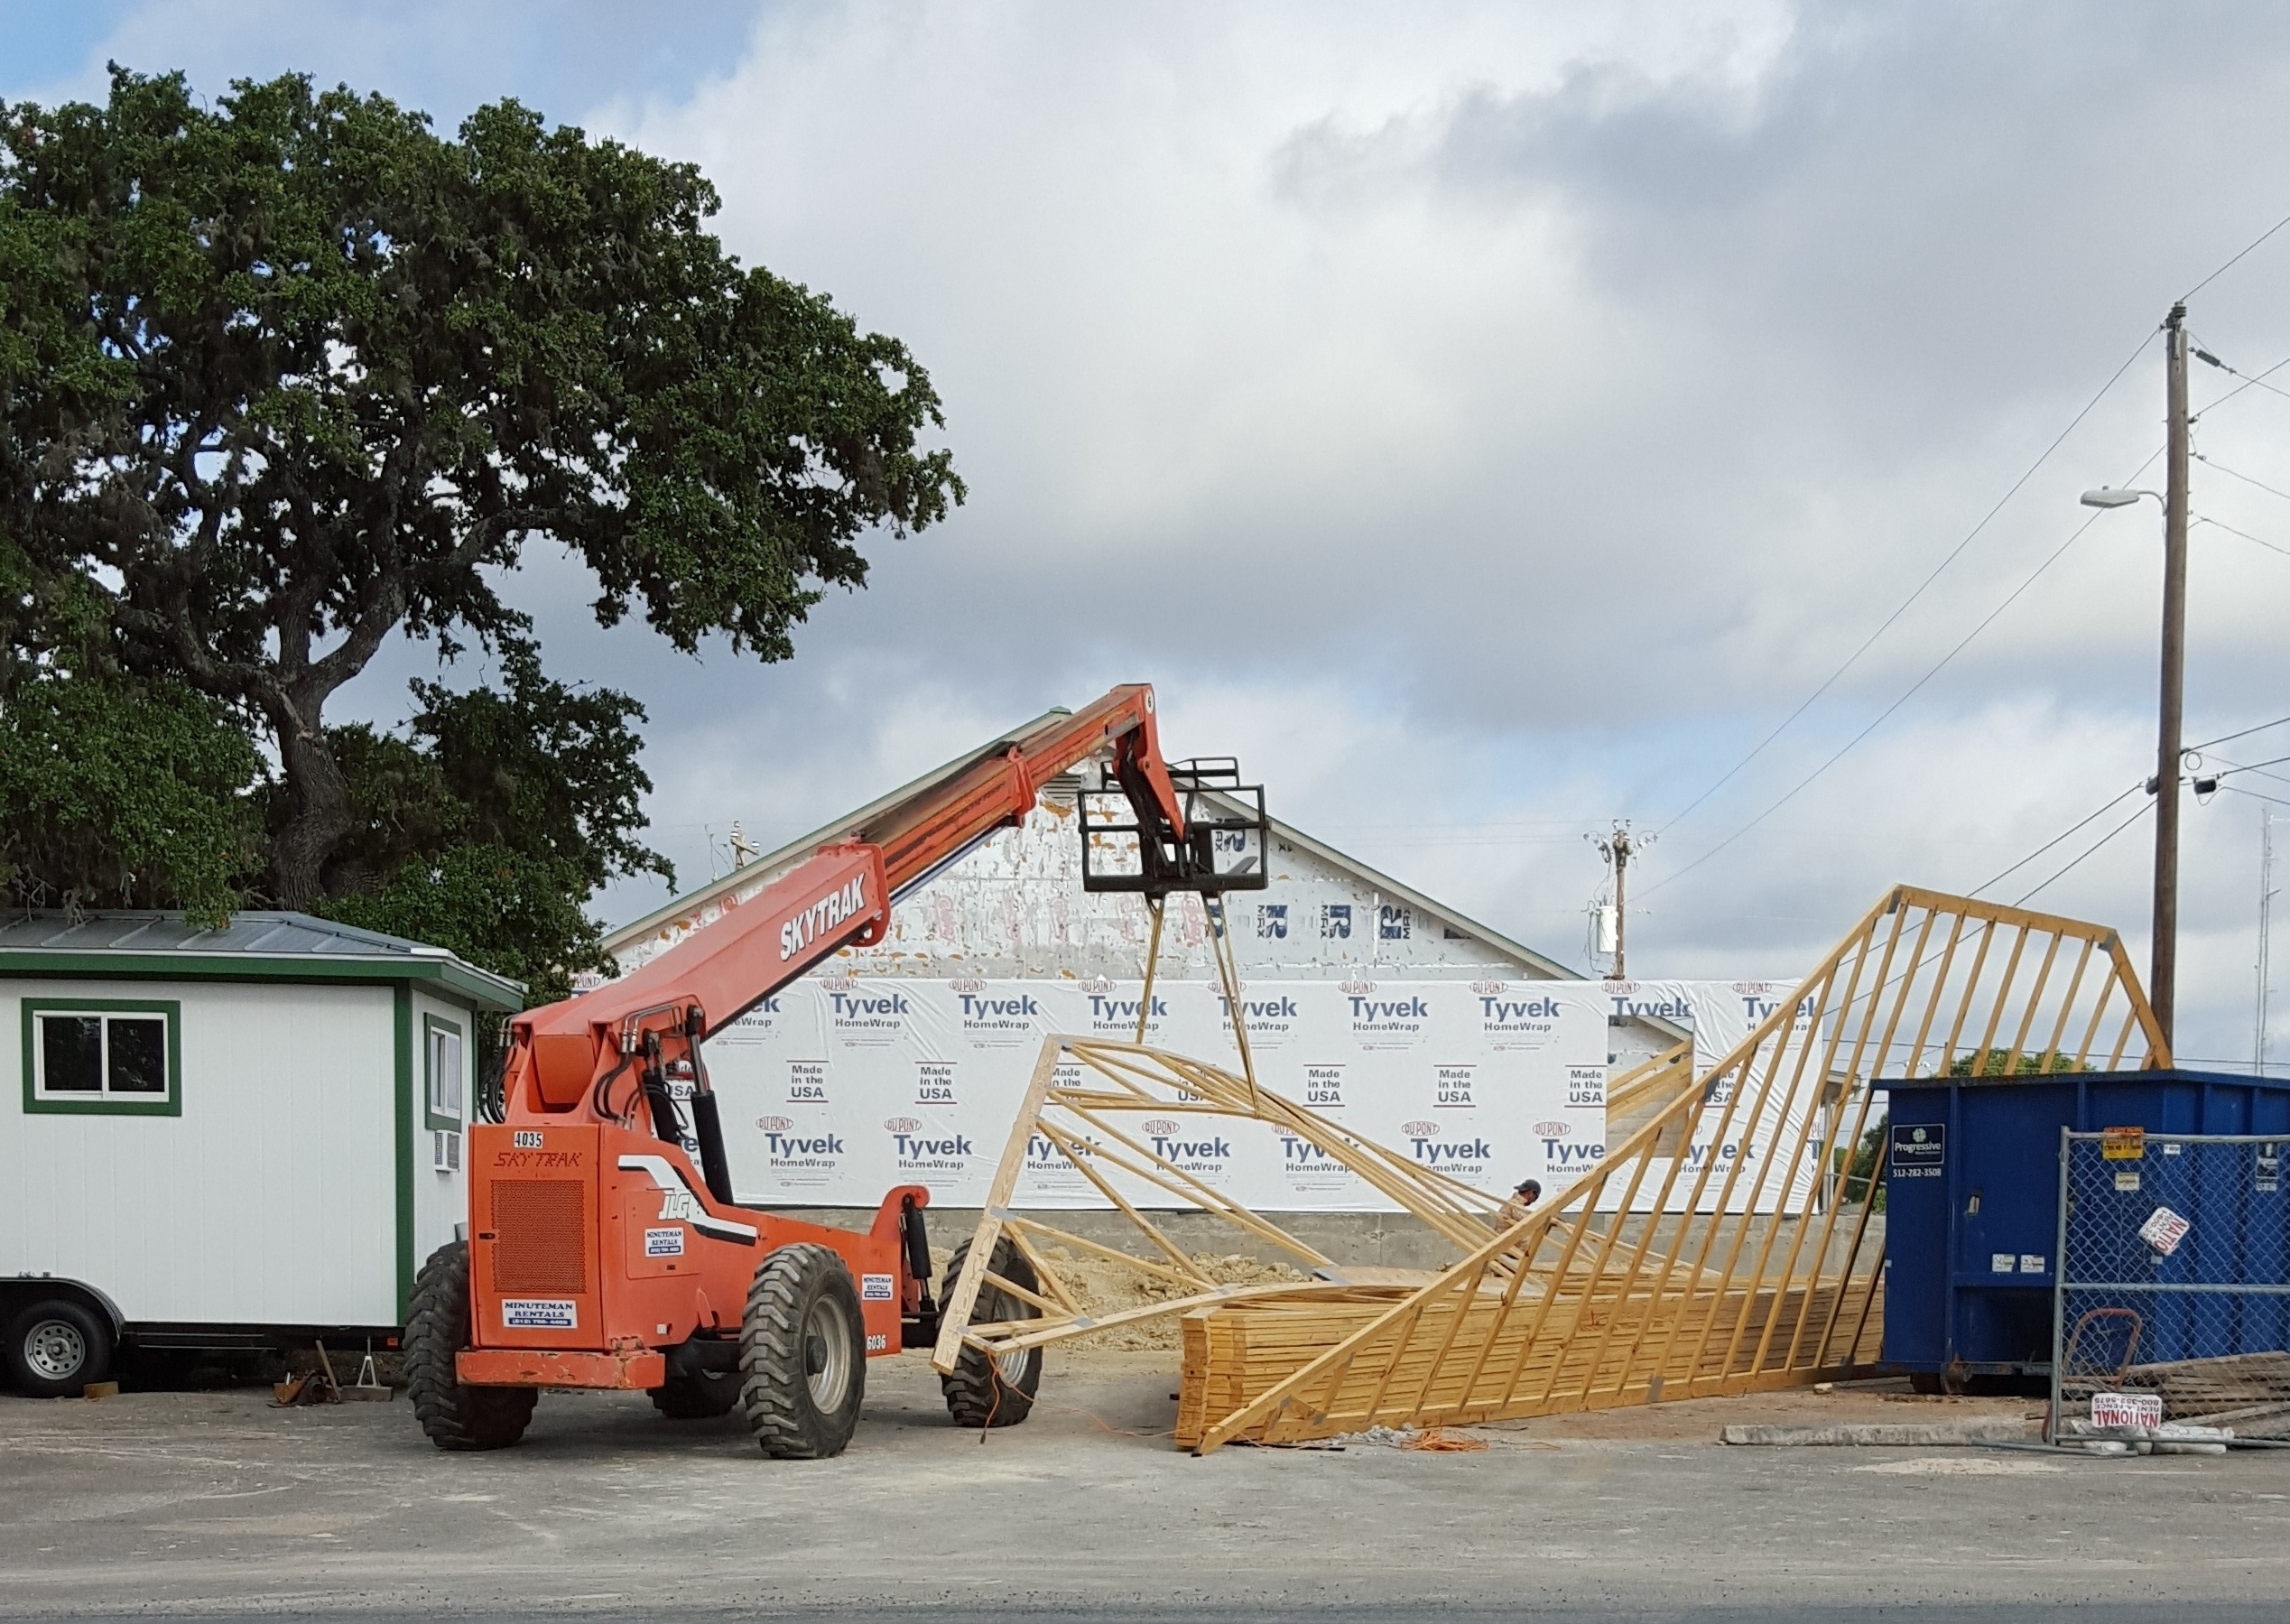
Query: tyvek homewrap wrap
{"points": [[837, 1087]]}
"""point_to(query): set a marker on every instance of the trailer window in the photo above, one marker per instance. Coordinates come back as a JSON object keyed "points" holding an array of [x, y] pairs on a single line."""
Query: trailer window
{"points": [[85, 1056], [444, 1068]]}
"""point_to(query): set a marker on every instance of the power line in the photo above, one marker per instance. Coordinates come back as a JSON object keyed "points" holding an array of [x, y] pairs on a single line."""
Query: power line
{"points": [[2230, 738], [2245, 535], [2236, 260], [2229, 473], [1891, 619], [2055, 839], [1884, 715], [2088, 850], [1922, 586]]}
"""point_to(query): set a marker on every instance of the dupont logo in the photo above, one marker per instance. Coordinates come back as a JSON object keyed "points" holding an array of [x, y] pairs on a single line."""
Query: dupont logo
{"points": [[1620, 987], [968, 984], [1412, 1129], [1553, 1130], [1490, 989], [1356, 988], [776, 1125], [1159, 1125], [901, 1125]]}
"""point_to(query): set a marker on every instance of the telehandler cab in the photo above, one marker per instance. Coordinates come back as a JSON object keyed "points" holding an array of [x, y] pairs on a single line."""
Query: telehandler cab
{"points": [[605, 1246]]}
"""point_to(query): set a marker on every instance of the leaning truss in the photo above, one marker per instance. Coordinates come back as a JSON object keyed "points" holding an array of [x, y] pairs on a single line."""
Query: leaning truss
{"points": [[1728, 1242]]}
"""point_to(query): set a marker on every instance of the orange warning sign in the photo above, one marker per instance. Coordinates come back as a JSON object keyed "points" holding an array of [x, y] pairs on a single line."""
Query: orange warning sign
{"points": [[2123, 1143]]}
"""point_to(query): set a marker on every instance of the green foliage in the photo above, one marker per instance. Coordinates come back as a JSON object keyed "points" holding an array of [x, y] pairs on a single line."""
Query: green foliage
{"points": [[1860, 1171], [2009, 1063], [287, 372], [510, 911], [122, 793], [486, 829]]}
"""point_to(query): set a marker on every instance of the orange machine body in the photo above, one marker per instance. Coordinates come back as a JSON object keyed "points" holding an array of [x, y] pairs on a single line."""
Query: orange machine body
{"points": [[605, 1242], [594, 1247]]}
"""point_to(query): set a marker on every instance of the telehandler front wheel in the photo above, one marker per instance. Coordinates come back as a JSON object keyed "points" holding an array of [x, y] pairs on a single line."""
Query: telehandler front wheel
{"points": [[437, 1327], [803, 1354], [998, 1390]]}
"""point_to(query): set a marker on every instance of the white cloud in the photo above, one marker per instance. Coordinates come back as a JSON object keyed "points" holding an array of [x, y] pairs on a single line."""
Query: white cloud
{"points": [[1491, 420]]}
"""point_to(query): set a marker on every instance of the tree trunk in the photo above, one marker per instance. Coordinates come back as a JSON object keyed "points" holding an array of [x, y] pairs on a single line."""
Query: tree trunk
{"points": [[322, 801]]}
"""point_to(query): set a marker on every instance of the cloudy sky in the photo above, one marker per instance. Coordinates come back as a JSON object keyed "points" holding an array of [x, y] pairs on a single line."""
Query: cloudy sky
{"points": [[1486, 422]]}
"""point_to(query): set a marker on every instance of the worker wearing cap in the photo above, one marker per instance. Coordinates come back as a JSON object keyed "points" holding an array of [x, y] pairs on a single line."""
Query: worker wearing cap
{"points": [[1521, 1203]]}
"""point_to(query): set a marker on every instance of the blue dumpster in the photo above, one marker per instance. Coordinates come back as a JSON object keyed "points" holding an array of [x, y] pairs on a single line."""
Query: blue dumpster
{"points": [[1972, 1208]]}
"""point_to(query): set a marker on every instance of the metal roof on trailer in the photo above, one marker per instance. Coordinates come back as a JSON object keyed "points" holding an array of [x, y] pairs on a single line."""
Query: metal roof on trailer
{"points": [[249, 946]]}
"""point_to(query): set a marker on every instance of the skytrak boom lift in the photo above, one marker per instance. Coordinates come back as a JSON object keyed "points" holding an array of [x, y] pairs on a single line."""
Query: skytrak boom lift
{"points": [[605, 1247]]}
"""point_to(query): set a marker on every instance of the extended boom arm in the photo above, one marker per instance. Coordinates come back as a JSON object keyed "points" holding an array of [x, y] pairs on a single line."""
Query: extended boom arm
{"points": [[573, 1056]]}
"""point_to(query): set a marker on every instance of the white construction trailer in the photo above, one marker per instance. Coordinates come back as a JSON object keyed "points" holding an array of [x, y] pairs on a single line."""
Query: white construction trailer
{"points": [[224, 1139]]}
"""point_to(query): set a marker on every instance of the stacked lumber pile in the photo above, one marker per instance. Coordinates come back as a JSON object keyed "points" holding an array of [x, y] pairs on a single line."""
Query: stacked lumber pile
{"points": [[2249, 1392]]}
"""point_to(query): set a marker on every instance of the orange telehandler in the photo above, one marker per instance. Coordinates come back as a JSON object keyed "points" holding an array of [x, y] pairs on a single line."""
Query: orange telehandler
{"points": [[605, 1247]]}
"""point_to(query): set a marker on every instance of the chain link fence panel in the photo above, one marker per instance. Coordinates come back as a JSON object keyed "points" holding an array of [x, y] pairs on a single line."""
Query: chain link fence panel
{"points": [[2172, 1294]]}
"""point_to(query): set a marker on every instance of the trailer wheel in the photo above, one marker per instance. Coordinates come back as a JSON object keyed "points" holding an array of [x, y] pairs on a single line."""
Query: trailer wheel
{"points": [[437, 1327], [57, 1347], [803, 1354], [998, 1390], [700, 1397]]}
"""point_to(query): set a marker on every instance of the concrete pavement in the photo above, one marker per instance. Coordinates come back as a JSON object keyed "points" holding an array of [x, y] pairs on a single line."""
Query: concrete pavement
{"points": [[215, 1504]]}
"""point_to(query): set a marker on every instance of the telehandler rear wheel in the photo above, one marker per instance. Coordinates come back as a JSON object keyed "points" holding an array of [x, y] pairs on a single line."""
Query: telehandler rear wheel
{"points": [[997, 1391], [803, 1354], [437, 1327]]}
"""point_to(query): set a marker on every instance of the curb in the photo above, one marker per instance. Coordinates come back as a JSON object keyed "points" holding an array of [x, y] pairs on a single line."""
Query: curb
{"points": [[1884, 1435]]}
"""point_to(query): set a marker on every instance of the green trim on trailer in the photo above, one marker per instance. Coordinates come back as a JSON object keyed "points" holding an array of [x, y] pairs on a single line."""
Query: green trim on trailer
{"points": [[105, 1105], [402, 1026], [488, 991]]}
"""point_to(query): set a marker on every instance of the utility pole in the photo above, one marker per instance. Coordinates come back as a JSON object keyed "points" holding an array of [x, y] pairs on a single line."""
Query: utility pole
{"points": [[2163, 976], [1617, 849], [2266, 934]]}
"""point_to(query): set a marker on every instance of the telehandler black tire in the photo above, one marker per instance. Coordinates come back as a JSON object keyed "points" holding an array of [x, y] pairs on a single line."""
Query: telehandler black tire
{"points": [[700, 1397], [803, 1354], [996, 1391], [437, 1327]]}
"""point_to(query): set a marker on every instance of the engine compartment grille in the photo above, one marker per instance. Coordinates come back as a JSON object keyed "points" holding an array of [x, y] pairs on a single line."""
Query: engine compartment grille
{"points": [[540, 1229]]}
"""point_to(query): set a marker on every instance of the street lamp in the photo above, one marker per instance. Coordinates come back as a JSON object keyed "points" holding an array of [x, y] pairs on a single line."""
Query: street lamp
{"points": [[2162, 973]]}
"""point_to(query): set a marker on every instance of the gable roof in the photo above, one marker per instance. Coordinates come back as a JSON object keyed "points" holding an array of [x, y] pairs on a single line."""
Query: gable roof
{"points": [[854, 825], [260, 945]]}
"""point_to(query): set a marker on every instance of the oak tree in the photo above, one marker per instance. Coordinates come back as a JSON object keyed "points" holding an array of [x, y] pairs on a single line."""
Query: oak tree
{"points": [[287, 374]]}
